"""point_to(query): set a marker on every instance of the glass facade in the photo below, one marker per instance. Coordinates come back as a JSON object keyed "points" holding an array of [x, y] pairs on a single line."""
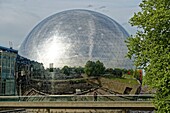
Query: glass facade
{"points": [[75, 36], [7, 71]]}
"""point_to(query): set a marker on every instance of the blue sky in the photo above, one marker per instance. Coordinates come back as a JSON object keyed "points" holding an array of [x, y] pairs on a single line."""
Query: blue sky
{"points": [[18, 17]]}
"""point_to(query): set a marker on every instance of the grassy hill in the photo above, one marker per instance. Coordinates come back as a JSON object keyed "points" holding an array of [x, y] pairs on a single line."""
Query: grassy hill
{"points": [[111, 84], [117, 85]]}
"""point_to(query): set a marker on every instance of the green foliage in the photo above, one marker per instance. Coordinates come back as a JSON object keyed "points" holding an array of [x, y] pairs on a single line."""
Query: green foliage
{"points": [[99, 68], [150, 48], [109, 71], [136, 75], [118, 72], [66, 70], [94, 68], [79, 70], [51, 69], [89, 68]]}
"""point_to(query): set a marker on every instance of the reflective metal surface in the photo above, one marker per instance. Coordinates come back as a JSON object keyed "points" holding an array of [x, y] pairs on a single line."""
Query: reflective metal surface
{"points": [[75, 36]]}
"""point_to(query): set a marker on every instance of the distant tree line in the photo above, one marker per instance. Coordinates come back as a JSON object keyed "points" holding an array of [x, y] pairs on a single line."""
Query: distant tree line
{"points": [[72, 70], [94, 68]]}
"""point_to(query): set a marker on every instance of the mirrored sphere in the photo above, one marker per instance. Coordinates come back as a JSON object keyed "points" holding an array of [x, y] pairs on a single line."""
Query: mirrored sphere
{"points": [[73, 37]]}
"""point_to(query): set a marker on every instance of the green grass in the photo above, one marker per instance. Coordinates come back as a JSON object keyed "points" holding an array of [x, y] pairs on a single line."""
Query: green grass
{"points": [[129, 80]]}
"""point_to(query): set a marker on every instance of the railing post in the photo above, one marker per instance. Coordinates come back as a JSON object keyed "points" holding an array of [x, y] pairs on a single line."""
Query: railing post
{"points": [[48, 110], [124, 111]]}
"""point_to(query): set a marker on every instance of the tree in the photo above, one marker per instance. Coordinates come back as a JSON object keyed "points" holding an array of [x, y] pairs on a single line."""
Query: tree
{"points": [[99, 68], [118, 72], [150, 48], [94, 68], [79, 70], [66, 70], [89, 68], [109, 71]]}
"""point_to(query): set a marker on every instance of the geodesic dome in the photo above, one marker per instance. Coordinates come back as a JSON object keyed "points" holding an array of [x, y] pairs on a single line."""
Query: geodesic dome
{"points": [[73, 37]]}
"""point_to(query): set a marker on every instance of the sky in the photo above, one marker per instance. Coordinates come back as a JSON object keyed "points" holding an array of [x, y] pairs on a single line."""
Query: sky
{"points": [[19, 17]]}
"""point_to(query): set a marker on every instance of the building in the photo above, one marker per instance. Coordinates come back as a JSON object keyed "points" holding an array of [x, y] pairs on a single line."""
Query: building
{"points": [[16, 72], [7, 70], [72, 37], [26, 70]]}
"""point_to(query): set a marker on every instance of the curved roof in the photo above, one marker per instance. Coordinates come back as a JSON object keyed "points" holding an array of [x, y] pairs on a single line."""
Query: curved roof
{"points": [[75, 36]]}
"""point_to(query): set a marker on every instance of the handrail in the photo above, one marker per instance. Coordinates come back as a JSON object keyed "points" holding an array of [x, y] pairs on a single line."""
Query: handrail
{"points": [[64, 98], [131, 95], [148, 105]]}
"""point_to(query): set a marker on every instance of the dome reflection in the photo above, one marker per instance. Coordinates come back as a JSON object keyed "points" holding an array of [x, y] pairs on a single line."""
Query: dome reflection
{"points": [[75, 36]]}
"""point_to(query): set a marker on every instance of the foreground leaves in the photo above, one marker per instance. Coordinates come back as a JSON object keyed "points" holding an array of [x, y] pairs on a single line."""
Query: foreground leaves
{"points": [[150, 48]]}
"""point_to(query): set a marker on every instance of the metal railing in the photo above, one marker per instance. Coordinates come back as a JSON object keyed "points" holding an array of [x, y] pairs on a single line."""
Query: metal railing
{"points": [[78, 102], [65, 98], [13, 111]]}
